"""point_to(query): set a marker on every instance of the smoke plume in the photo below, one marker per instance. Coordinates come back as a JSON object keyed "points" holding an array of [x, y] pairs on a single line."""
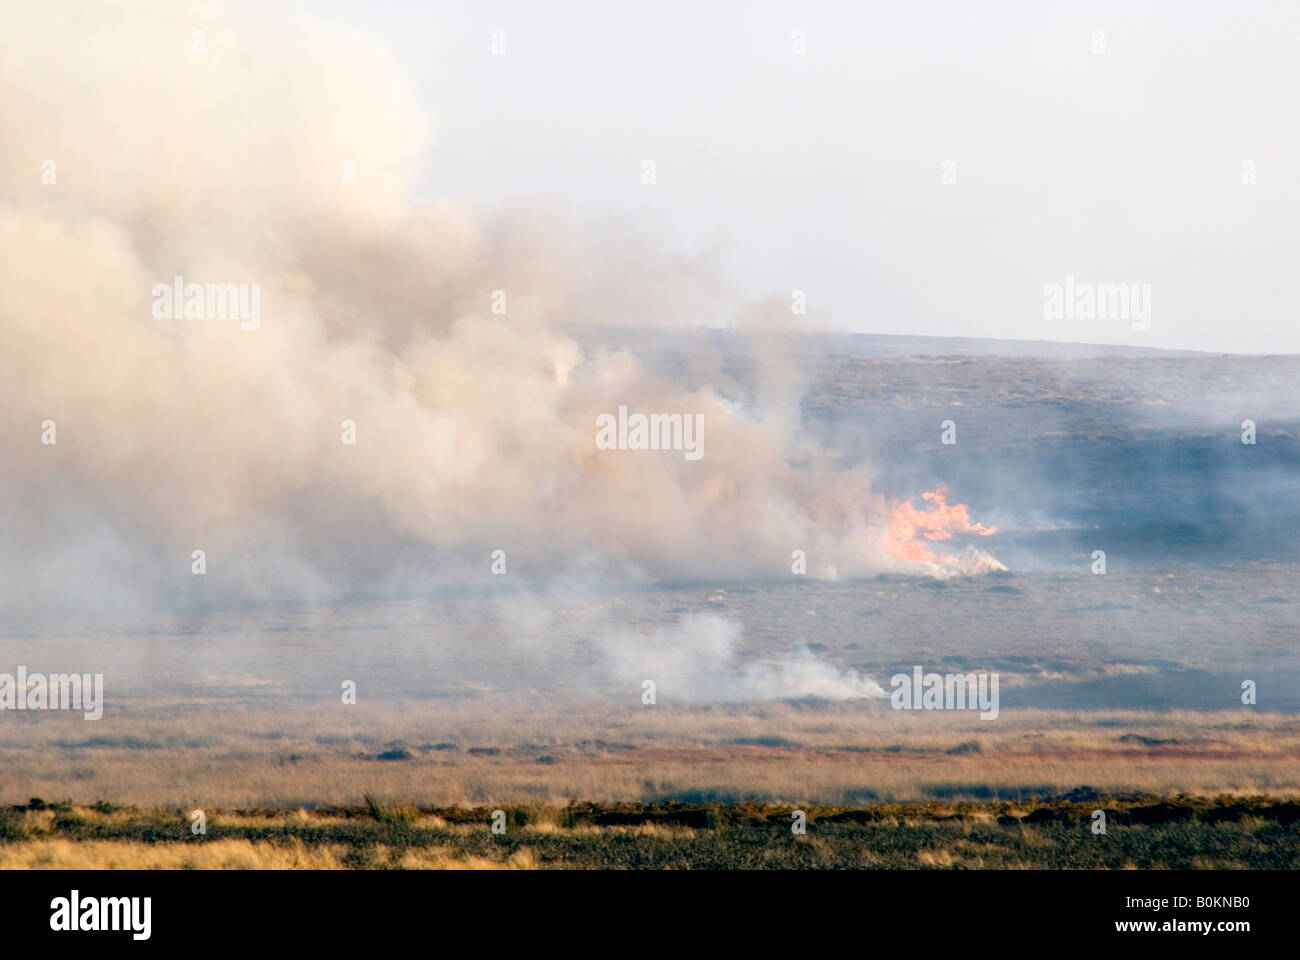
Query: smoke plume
{"points": [[224, 159]]}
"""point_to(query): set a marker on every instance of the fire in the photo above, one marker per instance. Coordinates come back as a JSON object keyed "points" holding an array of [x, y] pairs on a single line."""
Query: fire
{"points": [[909, 528]]}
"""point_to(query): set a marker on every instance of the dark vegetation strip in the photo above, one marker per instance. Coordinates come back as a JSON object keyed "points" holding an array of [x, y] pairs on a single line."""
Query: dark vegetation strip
{"points": [[1142, 831]]}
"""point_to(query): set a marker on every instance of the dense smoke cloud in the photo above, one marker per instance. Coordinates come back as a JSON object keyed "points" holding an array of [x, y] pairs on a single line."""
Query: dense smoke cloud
{"points": [[222, 159]]}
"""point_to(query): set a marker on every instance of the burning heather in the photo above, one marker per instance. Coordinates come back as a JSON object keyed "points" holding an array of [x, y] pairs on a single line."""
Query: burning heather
{"points": [[909, 528]]}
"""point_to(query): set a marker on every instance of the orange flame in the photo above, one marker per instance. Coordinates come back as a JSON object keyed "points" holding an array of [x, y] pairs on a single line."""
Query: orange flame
{"points": [[907, 525]]}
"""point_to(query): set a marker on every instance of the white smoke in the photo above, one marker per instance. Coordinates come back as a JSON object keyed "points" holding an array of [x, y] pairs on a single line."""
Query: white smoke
{"points": [[475, 430], [699, 660]]}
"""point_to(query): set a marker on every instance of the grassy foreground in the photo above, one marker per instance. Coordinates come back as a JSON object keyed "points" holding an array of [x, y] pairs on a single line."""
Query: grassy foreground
{"points": [[216, 754], [1142, 832]]}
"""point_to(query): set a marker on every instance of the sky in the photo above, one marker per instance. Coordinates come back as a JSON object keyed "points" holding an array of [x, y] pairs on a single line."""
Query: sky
{"points": [[1109, 143]]}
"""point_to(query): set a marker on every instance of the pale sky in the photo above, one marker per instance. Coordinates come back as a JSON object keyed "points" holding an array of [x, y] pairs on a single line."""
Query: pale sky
{"points": [[823, 171]]}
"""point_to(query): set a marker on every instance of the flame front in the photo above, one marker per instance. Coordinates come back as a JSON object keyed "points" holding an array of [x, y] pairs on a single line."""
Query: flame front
{"points": [[909, 528]]}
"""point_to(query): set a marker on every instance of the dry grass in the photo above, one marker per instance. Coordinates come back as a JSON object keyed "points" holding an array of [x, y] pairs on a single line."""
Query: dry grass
{"points": [[228, 755], [1186, 833], [231, 855], [61, 854]]}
